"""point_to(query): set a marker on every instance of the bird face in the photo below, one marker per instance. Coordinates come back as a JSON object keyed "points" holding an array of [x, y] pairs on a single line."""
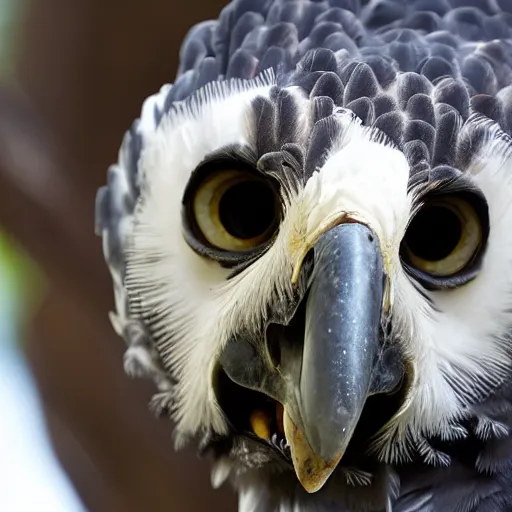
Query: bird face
{"points": [[309, 294]]}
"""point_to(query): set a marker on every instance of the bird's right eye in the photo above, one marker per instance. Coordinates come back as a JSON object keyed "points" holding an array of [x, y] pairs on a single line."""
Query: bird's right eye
{"points": [[235, 210]]}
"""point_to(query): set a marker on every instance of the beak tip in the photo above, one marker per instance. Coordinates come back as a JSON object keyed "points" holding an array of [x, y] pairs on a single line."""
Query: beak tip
{"points": [[313, 474], [312, 470]]}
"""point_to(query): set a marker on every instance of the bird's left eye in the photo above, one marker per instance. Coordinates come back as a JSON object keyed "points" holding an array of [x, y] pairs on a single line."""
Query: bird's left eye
{"points": [[235, 210], [443, 237]]}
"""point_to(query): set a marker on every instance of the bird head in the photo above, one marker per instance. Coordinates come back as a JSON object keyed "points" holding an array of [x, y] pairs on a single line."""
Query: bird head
{"points": [[317, 283]]}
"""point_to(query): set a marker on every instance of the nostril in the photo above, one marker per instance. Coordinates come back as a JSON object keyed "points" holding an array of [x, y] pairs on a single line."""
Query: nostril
{"points": [[370, 237], [274, 336], [274, 349]]}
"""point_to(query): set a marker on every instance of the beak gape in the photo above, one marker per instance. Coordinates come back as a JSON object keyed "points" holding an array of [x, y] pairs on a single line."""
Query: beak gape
{"points": [[324, 382]]}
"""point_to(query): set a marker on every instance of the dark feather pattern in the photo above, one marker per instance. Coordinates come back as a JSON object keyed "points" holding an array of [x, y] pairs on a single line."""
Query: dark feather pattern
{"points": [[417, 71]]}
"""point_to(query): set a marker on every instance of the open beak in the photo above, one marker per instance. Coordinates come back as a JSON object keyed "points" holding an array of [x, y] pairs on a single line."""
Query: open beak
{"points": [[329, 367], [341, 345]]}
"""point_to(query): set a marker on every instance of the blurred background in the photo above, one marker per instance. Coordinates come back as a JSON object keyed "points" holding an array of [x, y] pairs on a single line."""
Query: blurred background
{"points": [[75, 433]]}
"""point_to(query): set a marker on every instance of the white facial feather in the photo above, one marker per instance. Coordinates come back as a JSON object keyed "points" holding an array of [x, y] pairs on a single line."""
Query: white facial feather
{"points": [[196, 309], [364, 179], [184, 290]]}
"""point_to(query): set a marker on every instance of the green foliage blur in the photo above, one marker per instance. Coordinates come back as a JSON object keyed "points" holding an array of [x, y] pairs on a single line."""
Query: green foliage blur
{"points": [[20, 287]]}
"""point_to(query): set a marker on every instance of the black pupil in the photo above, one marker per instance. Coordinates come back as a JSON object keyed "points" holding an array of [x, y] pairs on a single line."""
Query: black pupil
{"points": [[247, 209], [434, 233]]}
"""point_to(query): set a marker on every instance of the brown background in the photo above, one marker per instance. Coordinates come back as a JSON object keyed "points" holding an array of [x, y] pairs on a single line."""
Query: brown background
{"points": [[82, 71]]}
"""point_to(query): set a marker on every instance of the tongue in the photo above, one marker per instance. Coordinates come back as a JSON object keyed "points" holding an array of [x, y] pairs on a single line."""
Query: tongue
{"points": [[260, 424]]}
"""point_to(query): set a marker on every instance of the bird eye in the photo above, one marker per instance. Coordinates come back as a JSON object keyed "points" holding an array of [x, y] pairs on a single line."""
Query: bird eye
{"points": [[235, 210], [443, 237]]}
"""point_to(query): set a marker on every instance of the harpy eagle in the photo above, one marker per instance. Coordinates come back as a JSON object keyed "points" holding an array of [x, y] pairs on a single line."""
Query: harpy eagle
{"points": [[310, 240]]}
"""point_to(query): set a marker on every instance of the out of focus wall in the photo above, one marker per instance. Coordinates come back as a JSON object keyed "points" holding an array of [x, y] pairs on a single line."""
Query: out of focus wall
{"points": [[74, 79]]}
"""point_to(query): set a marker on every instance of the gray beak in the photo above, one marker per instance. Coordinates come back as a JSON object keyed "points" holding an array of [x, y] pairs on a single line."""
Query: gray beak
{"points": [[341, 345]]}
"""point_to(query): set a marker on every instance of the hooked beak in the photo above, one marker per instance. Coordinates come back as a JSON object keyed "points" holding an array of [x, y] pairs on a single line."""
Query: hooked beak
{"points": [[324, 382], [341, 345]]}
